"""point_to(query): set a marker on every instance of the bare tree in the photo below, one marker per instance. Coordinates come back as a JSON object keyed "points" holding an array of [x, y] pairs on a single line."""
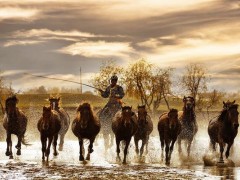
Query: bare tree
{"points": [[162, 87], [107, 69], [139, 82], [194, 80]]}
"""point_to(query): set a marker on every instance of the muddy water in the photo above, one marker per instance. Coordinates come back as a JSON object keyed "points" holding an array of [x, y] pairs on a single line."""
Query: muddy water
{"points": [[104, 166]]}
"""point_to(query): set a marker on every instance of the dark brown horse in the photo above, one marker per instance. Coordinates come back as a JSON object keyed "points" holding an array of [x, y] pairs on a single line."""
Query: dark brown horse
{"points": [[85, 126], [15, 122], [188, 122], [169, 128], [145, 127], [64, 118], [124, 126], [49, 125], [224, 129]]}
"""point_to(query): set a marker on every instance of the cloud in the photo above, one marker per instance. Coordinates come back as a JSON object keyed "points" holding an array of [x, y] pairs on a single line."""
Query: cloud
{"points": [[24, 43], [48, 32], [18, 13], [98, 49]]}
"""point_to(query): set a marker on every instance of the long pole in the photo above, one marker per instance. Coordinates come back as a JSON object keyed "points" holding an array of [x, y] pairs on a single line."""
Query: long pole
{"points": [[80, 80], [39, 76]]}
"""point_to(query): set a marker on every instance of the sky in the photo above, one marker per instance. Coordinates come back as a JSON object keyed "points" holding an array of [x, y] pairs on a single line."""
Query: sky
{"points": [[57, 37]]}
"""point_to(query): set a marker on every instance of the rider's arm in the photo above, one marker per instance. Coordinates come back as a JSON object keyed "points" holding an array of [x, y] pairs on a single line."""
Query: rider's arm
{"points": [[105, 94]]}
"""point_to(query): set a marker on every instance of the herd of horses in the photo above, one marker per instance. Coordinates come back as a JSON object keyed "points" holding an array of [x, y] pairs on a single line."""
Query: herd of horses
{"points": [[126, 124]]}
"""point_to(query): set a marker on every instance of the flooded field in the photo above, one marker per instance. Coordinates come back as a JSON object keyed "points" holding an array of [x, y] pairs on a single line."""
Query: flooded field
{"points": [[103, 164]]}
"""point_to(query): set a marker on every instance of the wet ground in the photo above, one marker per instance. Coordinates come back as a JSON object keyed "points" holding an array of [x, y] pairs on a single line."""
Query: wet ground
{"points": [[104, 166]]}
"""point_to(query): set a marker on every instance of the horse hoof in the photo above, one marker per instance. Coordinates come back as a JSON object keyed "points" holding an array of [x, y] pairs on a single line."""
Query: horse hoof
{"points": [[88, 158], [18, 152], [7, 153], [11, 157], [124, 162], [81, 158], [55, 154], [60, 148]]}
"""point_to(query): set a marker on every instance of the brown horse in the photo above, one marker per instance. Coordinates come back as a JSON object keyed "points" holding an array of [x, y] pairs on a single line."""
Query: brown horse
{"points": [[49, 125], [224, 129], [124, 126], [188, 122], [64, 118], [145, 127], [14, 122], [169, 128], [85, 126]]}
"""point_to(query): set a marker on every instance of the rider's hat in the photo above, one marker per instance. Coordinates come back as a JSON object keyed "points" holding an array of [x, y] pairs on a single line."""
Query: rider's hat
{"points": [[114, 77]]}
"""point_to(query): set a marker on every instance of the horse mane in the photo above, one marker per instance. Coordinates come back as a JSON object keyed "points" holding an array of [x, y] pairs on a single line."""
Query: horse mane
{"points": [[93, 117], [12, 98]]}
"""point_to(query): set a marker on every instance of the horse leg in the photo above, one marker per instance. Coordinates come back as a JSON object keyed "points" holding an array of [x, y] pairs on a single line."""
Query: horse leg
{"points": [[221, 152], [189, 146], [90, 149], [213, 143], [136, 145], [162, 146], [142, 147], [228, 149], [125, 150], [44, 143], [106, 140], [147, 139], [171, 148], [48, 147], [81, 158], [179, 146], [112, 139], [18, 146], [55, 145], [9, 146], [167, 159], [61, 142], [118, 149]]}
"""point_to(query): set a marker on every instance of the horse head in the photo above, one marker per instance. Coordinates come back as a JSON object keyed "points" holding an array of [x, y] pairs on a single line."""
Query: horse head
{"points": [[47, 114], [11, 104], [127, 114], [54, 102], [231, 110], [86, 113], [142, 115], [189, 103], [173, 118]]}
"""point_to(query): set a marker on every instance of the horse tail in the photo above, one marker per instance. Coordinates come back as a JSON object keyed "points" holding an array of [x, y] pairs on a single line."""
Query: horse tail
{"points": [[25, 141]]}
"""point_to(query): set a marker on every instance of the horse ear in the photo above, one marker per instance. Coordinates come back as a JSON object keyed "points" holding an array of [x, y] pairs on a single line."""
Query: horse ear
{"points": [[59, 99], [130, 107], [234, 101], [44, 108], [184, 98], [224, 103]]}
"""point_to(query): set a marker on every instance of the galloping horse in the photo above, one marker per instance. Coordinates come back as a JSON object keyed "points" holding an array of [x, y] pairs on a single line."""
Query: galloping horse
{"points": [[49, 125], [85, 126], [145, 127], [124, 126], [64, 118], [105, 116], [169, 128], [224, 129], [14, 122], [188, 122]]}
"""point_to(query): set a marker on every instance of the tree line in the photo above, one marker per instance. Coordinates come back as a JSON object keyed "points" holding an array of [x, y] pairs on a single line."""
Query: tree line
{"points": [[153, 85]]}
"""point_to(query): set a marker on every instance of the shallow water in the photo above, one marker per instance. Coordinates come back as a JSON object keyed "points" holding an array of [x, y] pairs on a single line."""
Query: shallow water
{"points": [[104, 166]]}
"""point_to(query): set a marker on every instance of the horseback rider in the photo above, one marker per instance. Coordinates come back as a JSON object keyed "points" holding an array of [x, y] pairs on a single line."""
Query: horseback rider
{"points": [[115, 93]]}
